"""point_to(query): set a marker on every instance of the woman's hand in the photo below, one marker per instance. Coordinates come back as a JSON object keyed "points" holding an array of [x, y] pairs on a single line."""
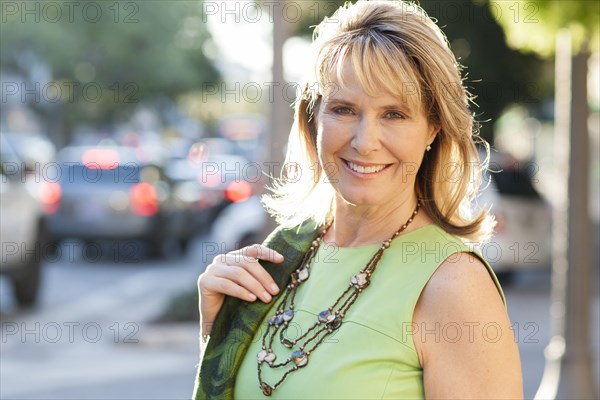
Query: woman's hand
{"points": [[236, 274]]}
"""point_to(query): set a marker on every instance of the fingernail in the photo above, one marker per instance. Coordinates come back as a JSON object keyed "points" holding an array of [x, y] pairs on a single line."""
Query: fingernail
{"points": [[279, 256], [274, 288], [251, 297], [266, 297]]}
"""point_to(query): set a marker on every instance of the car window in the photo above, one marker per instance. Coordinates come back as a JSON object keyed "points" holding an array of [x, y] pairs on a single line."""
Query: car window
{"points": [[79, 173], [10, 164], [514, 182]]}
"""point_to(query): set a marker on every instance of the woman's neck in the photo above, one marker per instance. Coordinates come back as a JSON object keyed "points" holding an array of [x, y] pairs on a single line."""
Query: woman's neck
{"points": [[359, 225]]}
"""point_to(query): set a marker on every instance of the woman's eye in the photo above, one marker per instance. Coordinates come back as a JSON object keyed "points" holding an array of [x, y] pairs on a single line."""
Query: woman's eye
{"points": [[342, 110], [394, 115]]}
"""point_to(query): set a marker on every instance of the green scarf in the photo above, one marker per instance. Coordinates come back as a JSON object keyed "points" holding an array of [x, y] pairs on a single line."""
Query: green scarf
{"points": [[238, 320]]}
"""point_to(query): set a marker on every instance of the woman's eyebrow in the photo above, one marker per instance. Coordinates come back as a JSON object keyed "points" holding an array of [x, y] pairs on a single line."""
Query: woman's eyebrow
{"points": [[399, 106], [403, 107], [335, 100]]}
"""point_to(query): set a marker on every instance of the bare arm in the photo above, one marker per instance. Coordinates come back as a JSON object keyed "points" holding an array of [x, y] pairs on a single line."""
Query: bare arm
{"points": [[463, 335]]}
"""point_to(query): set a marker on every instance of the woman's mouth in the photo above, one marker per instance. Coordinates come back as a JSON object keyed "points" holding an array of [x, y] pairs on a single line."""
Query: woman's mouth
{"points": [[365, 169]]}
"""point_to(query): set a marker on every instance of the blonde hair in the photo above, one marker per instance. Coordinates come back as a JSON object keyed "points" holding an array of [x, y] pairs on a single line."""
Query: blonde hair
{"points": [[392, 45]]}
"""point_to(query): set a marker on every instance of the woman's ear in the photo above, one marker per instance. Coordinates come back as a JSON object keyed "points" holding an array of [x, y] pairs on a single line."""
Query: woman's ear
{"points": [[434, 129], [312, 120]]}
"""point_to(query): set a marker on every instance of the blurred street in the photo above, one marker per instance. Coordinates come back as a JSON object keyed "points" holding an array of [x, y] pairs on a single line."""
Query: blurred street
{"points": [[92, 338], [528, 299]]}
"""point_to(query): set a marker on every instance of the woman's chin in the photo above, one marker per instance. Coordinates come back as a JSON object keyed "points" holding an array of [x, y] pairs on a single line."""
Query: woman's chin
{"points": [[361, 200]]}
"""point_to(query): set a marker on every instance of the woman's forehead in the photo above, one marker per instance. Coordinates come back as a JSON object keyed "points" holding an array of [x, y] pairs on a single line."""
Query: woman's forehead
{"points": [[346, 81]]}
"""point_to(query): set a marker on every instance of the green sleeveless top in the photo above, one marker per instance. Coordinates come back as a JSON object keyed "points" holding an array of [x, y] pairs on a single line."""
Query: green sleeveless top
{"points": [[372, 355]]}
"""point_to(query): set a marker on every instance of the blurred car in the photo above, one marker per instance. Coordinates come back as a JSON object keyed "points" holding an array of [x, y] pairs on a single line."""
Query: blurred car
{"points": [[33, 148], [523, 234], [209, 186], [239, 225], [189, 193], [246, 134], [21, 226], [106, 192]]}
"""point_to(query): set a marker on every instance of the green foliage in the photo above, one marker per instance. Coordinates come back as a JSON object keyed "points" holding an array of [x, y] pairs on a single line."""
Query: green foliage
{"points": [[531, 25], [133, 51], [495, 74], [312, 14]]}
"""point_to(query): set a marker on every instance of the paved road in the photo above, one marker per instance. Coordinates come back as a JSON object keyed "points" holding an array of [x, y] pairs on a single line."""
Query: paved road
{"points": [[90, 337]]}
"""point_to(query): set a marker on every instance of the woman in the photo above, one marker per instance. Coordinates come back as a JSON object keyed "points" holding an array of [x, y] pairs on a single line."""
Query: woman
{"points": [[369, 288]]}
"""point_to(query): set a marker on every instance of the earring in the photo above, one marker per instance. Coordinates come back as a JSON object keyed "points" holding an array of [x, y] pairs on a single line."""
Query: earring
{"points": [[428, 147]]}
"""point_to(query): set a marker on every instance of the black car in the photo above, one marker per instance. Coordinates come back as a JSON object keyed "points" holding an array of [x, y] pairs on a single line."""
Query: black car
{"points": [[108, 193]]}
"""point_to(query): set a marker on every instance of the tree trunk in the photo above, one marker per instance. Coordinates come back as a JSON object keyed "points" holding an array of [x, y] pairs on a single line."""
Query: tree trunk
{"points": [[280, 118], [568, 372]]}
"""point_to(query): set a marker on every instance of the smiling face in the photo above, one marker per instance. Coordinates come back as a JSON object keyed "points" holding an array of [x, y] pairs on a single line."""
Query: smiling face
{"points": [[370, 147]]}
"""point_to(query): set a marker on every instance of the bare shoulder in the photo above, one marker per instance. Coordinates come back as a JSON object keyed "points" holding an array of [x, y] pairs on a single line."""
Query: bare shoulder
{"points": [[461, 285], [463, 335]]}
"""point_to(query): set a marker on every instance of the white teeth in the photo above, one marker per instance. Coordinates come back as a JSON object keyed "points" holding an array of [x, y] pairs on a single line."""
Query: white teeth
{"points": [[365, 170]]}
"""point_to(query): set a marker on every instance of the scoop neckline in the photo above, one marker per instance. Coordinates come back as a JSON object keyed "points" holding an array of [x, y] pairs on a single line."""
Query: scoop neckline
{"points": [[376, 245]]}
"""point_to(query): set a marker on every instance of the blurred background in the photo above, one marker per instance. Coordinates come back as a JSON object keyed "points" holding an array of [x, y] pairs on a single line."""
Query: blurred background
{"points": [[137, 138]]}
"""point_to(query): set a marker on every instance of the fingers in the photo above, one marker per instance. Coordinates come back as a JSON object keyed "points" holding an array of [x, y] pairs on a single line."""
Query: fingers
{"points": [[259, 286], [237, 281], [254, 268], [239, 274], [248, 257], [226, 286], [257, 251]]}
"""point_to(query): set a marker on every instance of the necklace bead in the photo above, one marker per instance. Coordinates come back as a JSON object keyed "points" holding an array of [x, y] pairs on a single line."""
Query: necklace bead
{"points": [[326, 316], [261, 356], [300, 358], [288, 315], [270, 357], [266, 389], [336, 323], [303, 274], [361, 280]]}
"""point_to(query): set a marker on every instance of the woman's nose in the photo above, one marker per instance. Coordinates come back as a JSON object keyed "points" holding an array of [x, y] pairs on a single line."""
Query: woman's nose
{"points": [[366, 136]]}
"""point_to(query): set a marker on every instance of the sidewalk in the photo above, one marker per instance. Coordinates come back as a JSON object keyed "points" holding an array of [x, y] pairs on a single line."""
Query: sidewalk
{"points": [[528, 301]]}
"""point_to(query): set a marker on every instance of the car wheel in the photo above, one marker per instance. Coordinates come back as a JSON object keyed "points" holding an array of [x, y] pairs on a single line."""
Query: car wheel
{"points": [[506, 278], [164, 248], [49, 244], [184, 244], [154, 248], [26, 284]]}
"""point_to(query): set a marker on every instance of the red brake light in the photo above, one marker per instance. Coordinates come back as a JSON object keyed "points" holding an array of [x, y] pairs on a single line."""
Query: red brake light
{"points": [[238, 191], [101, 159], [210, 180], [143, 199], [50, 194]]}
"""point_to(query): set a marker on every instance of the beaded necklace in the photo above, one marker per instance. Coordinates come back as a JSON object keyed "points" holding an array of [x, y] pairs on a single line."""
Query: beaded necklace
{"points": [[328, 320]]}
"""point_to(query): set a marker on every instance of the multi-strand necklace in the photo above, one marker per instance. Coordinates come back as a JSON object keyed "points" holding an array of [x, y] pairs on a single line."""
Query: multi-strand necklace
{"points": [[328, 320]]}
